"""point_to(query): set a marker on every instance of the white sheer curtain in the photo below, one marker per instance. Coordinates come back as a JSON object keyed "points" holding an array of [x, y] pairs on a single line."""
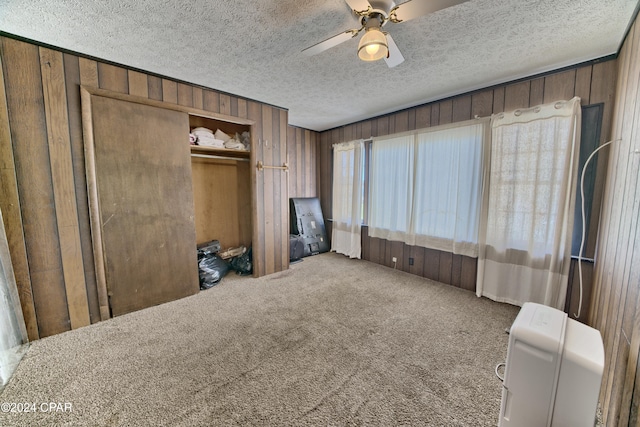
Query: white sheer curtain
{"points": [[525, 241], [391, 187], [426, 187], [13, 333], [448, 188], [348, 197]]}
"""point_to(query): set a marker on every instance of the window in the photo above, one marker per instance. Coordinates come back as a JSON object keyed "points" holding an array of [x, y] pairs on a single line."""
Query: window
{"points": [[391, 187], [348, 178], [524, 254], [426, 187]]}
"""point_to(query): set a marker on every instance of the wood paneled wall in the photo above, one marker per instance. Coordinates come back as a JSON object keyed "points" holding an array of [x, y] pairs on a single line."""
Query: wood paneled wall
{"points": [[43, 194], [303, 152], [615, 309], [456, 270], [593, 83]]}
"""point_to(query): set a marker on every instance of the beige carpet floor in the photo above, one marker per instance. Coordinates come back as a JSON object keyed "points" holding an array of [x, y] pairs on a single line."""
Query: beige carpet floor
{"points": [[330, 342]]}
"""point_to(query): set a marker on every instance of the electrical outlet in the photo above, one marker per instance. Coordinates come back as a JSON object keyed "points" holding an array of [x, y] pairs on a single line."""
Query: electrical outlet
{"points": [[394, 259], [410, 261]]}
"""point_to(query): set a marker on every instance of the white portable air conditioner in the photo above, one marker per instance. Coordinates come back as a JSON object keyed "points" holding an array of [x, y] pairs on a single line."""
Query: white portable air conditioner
{"points": [[553, 370]]}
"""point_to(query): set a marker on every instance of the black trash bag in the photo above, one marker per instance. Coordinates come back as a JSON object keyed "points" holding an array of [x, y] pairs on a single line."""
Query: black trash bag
{"points": [[211, 269], [243, 264]]}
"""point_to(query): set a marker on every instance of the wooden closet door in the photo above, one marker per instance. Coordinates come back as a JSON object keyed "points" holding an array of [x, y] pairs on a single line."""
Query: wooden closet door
{"points": [[145, 203]]}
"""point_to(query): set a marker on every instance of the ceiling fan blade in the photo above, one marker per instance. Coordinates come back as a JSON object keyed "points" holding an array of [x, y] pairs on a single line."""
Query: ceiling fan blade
{"points": [[358, 5], [395, 57], [330, 42], [416, 8]]}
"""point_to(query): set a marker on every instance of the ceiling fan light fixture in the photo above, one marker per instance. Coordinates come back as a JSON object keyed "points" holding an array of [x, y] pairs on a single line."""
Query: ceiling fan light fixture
{"points": [[373, 45]]}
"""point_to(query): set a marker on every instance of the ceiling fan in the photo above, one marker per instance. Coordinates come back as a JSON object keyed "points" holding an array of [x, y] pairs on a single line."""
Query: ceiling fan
{"points": [[374, 14]]}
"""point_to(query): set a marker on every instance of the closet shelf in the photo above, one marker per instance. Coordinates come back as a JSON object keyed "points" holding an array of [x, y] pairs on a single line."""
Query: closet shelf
{"points": [[240, 154]]}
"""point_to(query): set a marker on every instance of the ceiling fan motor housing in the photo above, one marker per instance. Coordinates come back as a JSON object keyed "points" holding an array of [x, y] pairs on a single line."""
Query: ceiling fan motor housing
{"points": [[383, 6], [374, 19]]}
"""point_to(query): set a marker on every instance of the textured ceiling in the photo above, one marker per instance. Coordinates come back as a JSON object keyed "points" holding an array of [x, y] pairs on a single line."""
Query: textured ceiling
{"points": [[253, 48]]}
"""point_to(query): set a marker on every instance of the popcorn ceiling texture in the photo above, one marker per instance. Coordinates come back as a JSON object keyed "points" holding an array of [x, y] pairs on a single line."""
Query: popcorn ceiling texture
{"points": [[253, 48]]}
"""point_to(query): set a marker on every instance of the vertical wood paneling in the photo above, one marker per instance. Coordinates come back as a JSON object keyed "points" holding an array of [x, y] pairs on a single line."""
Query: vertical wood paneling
{"points": [[435, 114], [423, 117], [358, 131], [138, 84], [482, 104], [446, 112], [225, 104], [517, 96], [615, 309], [11, 215], [307, 164], [316, 164], [445, 267], [268, 176], [258, 182], [573, 294], [185, 95], [624, 229], [383, 126], [498, 100], [59, 143], [461, 108], [417, 253], [374, 127], [301, 155], [374, 250], [234, 106], [277, 189], [310, 147], [324, 167], [25, 102], [242, 106], [113, 78], [583, 84], [198, 100], [411, 119], [366, 243], [211, 101], [599, 93], [88, 72], [559, 86], [282, 231], [631, 390], [396, 249], [155, 88], [349, 132], [293, 166], [402, 121], [169, 91], [469, 271], [431, 268], [536, 96], [366, 130], [602, 90], [73, 80], [456, 270]]}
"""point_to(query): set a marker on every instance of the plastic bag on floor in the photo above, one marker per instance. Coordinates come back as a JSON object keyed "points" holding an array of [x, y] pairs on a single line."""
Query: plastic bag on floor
{"points": [[243, 264], [211, 269]]}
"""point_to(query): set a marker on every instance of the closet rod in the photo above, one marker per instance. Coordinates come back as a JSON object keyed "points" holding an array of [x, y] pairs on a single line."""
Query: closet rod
{"points": [[211, 156]]}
